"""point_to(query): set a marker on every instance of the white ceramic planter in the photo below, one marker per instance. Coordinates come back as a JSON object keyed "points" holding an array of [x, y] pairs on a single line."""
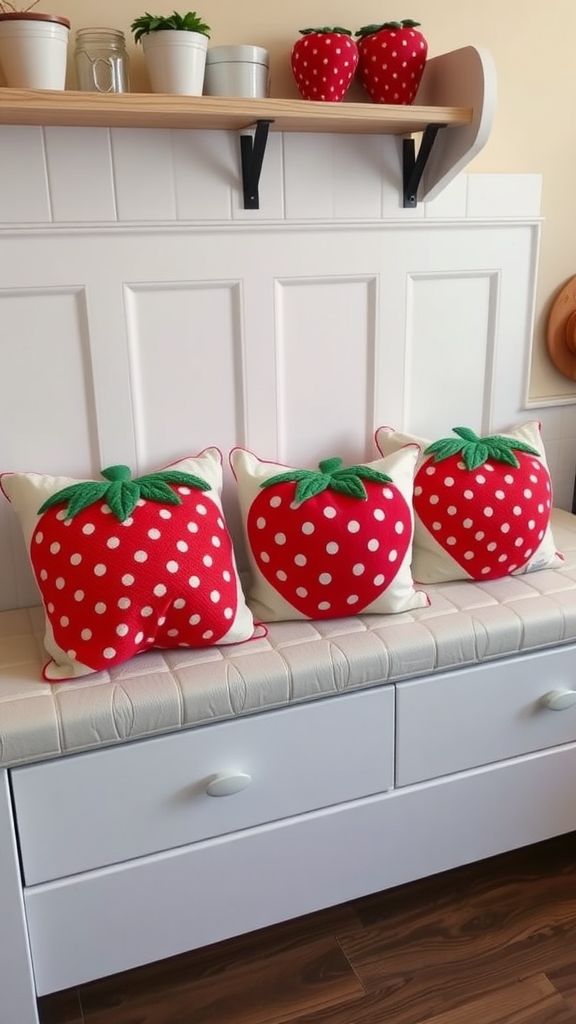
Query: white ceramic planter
{"points": [[237, 71], [175, 61], [33, 50]]}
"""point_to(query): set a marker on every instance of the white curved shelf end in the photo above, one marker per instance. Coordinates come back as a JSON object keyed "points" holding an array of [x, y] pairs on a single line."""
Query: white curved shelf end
{"points": [[466, 76]]}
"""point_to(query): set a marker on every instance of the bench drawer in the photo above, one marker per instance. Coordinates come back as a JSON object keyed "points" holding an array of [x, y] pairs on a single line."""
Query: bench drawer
{"points": [[471, 717], [89, 810]]}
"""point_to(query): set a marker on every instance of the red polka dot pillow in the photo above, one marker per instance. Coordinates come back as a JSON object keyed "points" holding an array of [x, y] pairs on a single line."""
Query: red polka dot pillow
{"points": [[126, 564], [482, 505], [330, 542]]}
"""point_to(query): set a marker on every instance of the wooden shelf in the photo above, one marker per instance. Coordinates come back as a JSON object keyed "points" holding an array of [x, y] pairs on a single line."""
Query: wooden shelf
{"points": [[151, 110]]}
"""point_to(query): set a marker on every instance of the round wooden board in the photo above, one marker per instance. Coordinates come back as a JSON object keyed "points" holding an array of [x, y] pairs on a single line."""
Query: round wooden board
{"points": [[560, 334]]}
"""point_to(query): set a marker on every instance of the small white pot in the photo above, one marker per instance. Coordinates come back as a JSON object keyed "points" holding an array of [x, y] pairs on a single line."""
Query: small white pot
{"points": [[175, 60], [237, 71], [33, 50]]}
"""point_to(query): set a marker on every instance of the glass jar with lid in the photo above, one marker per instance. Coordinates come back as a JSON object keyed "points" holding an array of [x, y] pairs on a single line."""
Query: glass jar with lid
{"points": [[102, 63]]}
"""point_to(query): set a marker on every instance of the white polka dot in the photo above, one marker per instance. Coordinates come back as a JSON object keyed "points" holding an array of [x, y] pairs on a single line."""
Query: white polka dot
{"points": [[488, 512], [182, 546], [159, 590], [183, 490], [479, 535], [302, 592], [172, 632], [505, 528], [100, 569], [358, 569], [109, 653], [146, 611], [71, 654], [113, 542], [332, 548], [352, 599], [330, 512], [127, 522], [399, 528], [436, 526], [54, 548], [39, 537], [388, 493], [517, 511], [51, 608], [192, 527], [468, 523], [276, 501], [127, 579], [379, 514], [154, 534], [392, 555], [451, 541], [468, 555], [201, 510], [324, 606], [88, 528], [300, 560], [449, 481], [280, 538], [207, 561], [307, 528], [281, 575], [480, 479], [208, 634], [140, 556], [261, 523], [43, 574], [64, 621], [433, 499], [353, 526], [79, 595], [215, 596], [468, 495], [138, 638], [500, 495], [379, 580], [264, 556], [172, 566], [194, 582], [508, 479], [527, 493], [122, 629], [165, 513], [194, 620], [373, 545], [100, 608], [124, 603], [228, 613], [325, 578], [86, 634], [60, 583]]}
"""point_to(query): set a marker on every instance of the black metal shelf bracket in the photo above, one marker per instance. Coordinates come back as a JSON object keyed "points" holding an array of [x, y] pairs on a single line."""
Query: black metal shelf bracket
{"points": [[252, 155], [413, 166]]}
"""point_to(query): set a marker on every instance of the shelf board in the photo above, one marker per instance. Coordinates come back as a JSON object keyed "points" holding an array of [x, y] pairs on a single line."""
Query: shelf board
{"points": [[152, 110]]}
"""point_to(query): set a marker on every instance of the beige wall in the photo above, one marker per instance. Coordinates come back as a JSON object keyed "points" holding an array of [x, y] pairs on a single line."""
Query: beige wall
{"points": [[535, 129]]}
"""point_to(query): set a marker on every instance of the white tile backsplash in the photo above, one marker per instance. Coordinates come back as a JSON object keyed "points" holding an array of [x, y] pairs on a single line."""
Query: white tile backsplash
{"points": [[80, 174], [24, 194]]}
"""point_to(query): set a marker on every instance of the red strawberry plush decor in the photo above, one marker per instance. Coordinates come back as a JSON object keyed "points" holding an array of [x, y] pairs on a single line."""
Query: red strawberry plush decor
{"points": [[391, 62], [126, 564], [323, 63], [330, 542], [482, 505]]}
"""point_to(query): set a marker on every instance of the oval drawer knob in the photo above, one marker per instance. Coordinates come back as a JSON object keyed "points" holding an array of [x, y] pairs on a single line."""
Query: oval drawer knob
{"points": [[227, 785], [559, 700]]}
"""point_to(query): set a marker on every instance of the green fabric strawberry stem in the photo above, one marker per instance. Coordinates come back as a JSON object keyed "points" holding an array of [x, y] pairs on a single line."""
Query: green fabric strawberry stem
{"points": [[121, 493], [325, 31], [332, 477], [476, 450], [369, 30]]}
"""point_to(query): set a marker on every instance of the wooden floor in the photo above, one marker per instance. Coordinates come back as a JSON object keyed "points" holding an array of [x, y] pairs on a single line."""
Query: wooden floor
{"points": [[492, 943]]}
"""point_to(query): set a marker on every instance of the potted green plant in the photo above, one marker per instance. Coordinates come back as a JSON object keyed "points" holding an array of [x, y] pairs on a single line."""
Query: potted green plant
{"points": [[174, 48], [33, 47]]}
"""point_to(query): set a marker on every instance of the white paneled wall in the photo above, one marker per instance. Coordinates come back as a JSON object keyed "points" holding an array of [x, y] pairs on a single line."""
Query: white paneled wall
{"points": [[144, 314]]}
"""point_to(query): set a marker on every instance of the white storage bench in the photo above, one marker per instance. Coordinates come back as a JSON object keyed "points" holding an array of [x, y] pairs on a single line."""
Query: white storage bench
{"points": [[194, 795]]}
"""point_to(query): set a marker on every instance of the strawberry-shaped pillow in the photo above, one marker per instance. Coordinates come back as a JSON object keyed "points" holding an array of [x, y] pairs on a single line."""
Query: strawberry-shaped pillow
{"points": [[330, 542], [323, 63], [126, 564], [391, 60], [482, 505]]}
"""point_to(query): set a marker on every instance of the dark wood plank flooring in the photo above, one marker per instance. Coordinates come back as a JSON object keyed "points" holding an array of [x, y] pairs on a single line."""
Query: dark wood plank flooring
{"points": [[489, 943]]}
